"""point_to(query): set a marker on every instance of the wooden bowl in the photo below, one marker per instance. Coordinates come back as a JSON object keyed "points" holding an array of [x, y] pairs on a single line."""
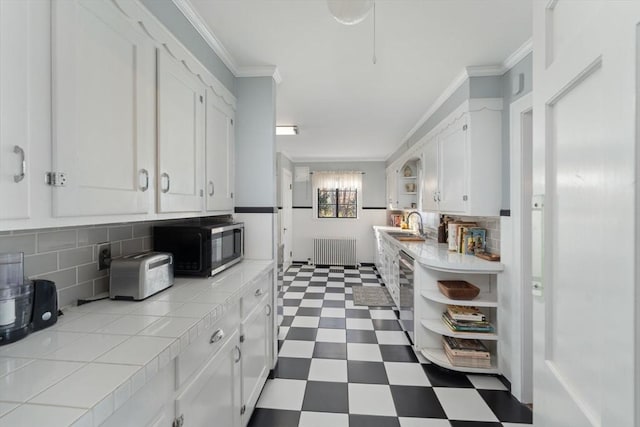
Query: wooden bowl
{"points": [[458, 289]]}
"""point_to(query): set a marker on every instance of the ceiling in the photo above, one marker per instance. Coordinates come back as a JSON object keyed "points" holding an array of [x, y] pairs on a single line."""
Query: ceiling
{"points": [[346, 107]]}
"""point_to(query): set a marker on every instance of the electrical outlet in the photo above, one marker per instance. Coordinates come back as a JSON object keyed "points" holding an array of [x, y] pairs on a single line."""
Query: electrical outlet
{"points": [[104, 256]]}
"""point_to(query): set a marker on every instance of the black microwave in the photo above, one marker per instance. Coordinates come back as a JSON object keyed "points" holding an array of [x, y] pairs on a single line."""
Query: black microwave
{"points": [[201, 250]]}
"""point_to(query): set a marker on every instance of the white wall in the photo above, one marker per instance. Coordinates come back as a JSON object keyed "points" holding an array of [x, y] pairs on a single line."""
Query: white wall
{"points": [[306, 228]]}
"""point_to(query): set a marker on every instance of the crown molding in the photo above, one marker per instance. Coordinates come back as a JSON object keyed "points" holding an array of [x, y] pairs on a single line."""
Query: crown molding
{"points": [[485, 70], [518, 55], [264, 71], [198, 23], [472, 71], [225, 56]]}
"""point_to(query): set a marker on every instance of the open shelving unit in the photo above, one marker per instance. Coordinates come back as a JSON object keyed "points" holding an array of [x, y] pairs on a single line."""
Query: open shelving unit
{"points": [[432, 303]]}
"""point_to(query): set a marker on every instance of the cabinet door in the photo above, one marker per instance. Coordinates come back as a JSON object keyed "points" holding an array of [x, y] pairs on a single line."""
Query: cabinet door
{"points": [[180, 137], [453, 169], [213, 397], [15, 143], [255, 354], [103, 110], [392, 188], [430, 177], [220, 155]]}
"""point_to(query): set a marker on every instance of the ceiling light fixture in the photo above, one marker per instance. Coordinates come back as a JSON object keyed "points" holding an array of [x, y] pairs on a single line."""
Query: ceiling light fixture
{"points": [[349, 12], [286, 130]]}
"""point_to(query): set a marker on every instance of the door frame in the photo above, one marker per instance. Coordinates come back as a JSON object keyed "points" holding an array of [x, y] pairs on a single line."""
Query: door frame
{"points": [[286, 210], [520, 148]]}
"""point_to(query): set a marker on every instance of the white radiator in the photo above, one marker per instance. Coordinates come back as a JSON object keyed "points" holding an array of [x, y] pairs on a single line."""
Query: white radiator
{"points": [[335, 251]]}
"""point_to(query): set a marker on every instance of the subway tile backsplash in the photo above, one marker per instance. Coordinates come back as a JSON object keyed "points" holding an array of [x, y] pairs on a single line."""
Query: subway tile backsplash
{"points": [[69, 256]]}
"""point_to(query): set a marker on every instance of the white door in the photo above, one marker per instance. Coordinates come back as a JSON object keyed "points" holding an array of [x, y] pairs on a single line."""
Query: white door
{"points": [[585, 237], [452, 145], [430, 176], [15, 142], [287, 217], [103, 110], [220, 155], [181, 132]]}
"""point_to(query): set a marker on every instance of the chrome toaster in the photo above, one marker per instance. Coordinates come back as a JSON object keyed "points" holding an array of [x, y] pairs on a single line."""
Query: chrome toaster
{"points": [[138, 276]]}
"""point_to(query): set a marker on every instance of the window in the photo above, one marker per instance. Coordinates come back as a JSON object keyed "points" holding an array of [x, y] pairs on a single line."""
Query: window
{"points": [[337, 194], [337, 203]]}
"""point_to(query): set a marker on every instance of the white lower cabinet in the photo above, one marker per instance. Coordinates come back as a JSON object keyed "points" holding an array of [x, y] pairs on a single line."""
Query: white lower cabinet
{"points": [[213, 396], [255, 355], [257, 335]]}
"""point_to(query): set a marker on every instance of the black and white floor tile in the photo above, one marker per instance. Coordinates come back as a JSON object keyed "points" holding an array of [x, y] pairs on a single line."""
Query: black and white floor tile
{"points": [[344, 365]]}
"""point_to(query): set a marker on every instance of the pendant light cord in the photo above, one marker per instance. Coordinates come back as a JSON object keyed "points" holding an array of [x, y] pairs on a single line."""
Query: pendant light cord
{"points": [[374, 34]]}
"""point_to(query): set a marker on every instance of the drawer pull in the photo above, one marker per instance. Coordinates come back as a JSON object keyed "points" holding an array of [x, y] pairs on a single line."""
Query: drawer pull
{"points": [[217, 336], [259, 292]]}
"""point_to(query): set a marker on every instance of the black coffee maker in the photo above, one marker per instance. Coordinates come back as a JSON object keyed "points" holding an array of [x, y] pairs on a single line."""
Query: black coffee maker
{"points": [[25, 306]]}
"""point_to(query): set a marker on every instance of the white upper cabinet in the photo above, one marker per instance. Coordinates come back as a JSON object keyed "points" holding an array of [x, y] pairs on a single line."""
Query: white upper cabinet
{"points": [[103, 111], [219, 155], [392, 188], [181, 133], [430, 176], [462, 161], [16, 67], [452, 171]]}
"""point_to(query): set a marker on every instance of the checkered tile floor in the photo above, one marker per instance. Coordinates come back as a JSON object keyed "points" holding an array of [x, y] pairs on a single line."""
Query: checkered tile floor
{"points": [[345, 365]]}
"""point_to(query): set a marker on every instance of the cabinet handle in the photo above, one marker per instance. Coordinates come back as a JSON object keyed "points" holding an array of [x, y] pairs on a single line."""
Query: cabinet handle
{"points": [[211, 188], [259, 292], [435, 199], [165, 175], [23, 164], [217, 336], [239, 354], [144, 187], [268, 309], [438, 196]]}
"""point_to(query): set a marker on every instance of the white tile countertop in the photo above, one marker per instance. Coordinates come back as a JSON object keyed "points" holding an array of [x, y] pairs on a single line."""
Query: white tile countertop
{"points": [[437, 256], [83, 368]]}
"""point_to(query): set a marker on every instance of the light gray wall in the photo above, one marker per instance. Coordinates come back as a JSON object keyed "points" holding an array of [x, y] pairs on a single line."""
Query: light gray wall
{"points": [[255, 173], [373, 182], [282, 161], [525, 67], [169, 14]]}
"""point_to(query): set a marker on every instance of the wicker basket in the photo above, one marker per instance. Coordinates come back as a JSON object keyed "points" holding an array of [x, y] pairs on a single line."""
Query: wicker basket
{"points": [[458, 289]]}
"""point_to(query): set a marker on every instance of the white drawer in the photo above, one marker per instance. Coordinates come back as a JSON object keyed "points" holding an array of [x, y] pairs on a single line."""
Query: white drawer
{"points": [[206, 345], [258, 289]]}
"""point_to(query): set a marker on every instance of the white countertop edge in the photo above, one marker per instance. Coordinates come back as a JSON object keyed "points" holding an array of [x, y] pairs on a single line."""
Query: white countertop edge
{"points": [[121, 393], [434, 261]]}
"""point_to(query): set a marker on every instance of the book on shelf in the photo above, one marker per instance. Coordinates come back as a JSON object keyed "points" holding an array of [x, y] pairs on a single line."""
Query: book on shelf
{"points": [[466, 347], [467, 313], [466, 325], [455, 234], [473, 240], [466, 353]]}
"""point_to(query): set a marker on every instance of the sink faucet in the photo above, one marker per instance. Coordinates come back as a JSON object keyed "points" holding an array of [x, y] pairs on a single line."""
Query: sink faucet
{"points": [[420, 227]]}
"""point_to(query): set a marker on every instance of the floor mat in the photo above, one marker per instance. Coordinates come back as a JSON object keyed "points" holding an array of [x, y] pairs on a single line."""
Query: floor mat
{"points": [[372, 296]]}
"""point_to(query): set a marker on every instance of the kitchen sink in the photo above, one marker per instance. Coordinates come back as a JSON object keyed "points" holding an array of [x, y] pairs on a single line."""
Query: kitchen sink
{"points": [[406, 237]]}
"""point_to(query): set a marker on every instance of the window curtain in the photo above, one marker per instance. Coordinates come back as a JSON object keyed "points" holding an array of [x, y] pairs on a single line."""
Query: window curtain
{"points": [[330, 180]]}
